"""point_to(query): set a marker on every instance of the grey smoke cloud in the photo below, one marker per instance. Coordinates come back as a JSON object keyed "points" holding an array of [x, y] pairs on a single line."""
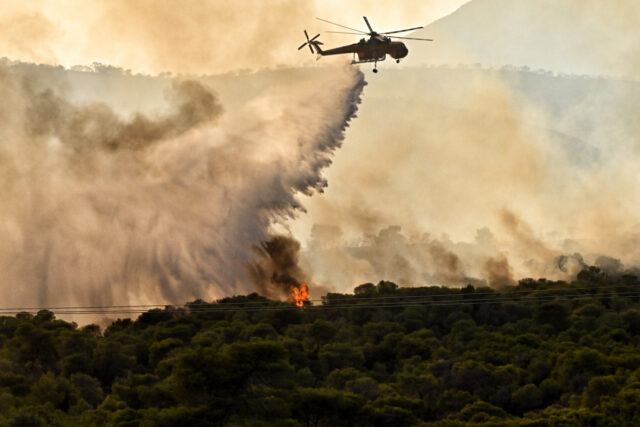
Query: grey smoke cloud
{"points": [[276, 270], [514, 173], [166, 204], [409, 260], [96, 128]]}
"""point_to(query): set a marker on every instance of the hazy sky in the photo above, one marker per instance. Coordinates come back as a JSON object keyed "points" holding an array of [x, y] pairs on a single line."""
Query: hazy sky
{"points": [[190, 36]]}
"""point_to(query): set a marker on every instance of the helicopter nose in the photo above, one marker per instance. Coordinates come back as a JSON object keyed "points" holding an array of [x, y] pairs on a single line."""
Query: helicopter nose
{"points": [[404, 51]]}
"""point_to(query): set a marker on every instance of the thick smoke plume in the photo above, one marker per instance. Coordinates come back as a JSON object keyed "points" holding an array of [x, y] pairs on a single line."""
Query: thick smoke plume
{"points": [[163, 205], [277, 270]]}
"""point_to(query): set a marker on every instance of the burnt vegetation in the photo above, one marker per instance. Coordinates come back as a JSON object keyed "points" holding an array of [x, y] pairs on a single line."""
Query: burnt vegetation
{"points": [[539, 353]]}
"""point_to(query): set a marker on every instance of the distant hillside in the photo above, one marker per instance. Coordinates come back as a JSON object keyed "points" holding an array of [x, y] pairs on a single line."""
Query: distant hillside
{"points": [[569, 36]]}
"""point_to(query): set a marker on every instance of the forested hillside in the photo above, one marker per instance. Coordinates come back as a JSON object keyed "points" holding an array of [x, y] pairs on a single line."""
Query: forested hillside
{"points": [[540, 353]]}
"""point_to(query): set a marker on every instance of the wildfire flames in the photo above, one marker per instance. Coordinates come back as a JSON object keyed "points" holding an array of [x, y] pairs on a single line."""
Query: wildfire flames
{"points": [[300, 294]]}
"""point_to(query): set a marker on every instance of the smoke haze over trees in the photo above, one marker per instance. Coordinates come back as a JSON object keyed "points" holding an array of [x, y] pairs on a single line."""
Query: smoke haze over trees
{"points": [[490, 174], [476, 165], [491, 229]]}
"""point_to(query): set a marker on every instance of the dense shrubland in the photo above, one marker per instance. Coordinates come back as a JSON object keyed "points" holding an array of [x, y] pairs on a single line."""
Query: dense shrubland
{"points": [[540, 353]]}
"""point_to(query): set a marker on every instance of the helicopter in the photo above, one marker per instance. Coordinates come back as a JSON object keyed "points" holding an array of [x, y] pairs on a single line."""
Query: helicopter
{"points": [[374, 49]]}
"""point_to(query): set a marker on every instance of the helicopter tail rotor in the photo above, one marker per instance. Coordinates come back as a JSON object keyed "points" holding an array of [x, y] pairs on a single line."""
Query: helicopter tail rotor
{"points": [[312, 43]]}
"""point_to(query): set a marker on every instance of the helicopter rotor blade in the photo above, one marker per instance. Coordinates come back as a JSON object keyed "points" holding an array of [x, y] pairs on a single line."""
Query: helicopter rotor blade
{"points": [[302, 45], [316, 36], [343, 26], [343, 32], [368, 25], [411, 38], [402, 31], [311, 48]]}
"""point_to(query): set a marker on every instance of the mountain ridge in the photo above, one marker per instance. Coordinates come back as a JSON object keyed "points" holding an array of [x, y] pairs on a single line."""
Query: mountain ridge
{"points": [[576, 37]]}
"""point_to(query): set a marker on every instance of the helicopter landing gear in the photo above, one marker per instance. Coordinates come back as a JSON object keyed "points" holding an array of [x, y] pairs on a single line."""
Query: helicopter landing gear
{"points": [[375, 66], [397, 61], [375, 70]]}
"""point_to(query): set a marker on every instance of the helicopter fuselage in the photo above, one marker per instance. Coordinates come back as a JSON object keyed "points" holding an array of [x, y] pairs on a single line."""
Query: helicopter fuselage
{"points": [[374, 48]]}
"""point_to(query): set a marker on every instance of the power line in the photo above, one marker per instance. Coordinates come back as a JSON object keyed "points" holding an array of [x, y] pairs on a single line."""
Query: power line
{"points": [[392, 304], [354, 298]]}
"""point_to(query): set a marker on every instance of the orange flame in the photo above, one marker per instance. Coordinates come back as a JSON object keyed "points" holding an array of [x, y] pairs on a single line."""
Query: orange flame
{"points": [[300, 294]]}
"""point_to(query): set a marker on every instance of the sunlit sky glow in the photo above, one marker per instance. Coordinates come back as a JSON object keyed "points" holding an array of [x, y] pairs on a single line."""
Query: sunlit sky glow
{"points": [[201, 37]]}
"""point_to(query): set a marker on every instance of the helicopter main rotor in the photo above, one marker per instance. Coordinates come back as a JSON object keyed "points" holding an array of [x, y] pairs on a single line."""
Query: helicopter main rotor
{"points": [[373, 33]]}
